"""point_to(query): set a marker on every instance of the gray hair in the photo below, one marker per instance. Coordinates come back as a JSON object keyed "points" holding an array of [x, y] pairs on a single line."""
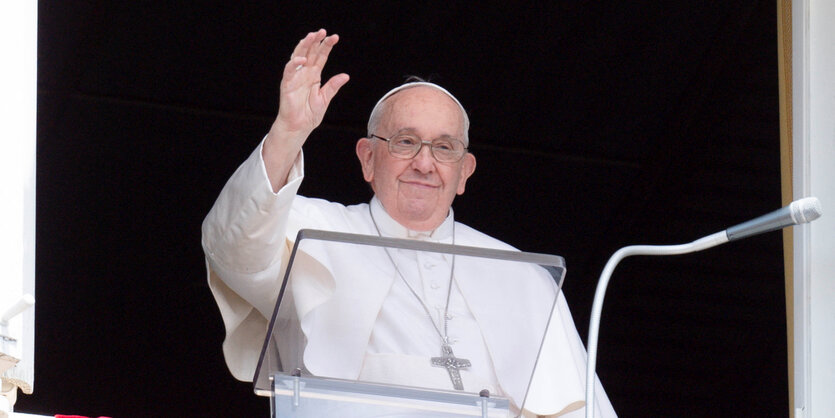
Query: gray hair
{"points": [[377, 112]]}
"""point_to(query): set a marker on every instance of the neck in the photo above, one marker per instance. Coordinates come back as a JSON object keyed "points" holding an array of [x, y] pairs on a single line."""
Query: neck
{"points": [[418, 222], [420, 226], [397, 227]]}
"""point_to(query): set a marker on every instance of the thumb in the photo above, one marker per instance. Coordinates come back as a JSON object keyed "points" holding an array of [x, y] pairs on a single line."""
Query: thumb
{"points": [[329, 89]]}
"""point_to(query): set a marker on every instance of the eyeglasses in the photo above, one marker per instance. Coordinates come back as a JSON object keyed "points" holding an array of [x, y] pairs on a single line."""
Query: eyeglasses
{"points": [[444, 150]]}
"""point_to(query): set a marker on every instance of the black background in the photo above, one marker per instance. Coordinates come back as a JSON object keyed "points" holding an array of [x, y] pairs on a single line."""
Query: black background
{"points": [[595, 125]]}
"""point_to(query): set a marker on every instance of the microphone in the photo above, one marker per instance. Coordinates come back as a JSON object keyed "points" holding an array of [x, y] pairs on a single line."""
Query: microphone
{"points": [[798, 212]]}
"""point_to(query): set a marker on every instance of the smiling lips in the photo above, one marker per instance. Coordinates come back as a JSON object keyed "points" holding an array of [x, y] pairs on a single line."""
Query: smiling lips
{"points": [[420, 184]]}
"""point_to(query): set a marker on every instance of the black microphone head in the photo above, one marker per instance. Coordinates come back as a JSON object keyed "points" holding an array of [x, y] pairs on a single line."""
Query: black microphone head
{"points": [[805, 210]]}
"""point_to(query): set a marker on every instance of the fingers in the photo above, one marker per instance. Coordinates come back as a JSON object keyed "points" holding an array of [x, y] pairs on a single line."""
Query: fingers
{"points": [[315, 47], [308, 58], [304, 46], [323, 51], [315, 44]]}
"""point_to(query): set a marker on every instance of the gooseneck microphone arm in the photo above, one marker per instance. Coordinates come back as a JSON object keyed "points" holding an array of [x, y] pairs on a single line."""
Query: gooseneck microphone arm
{"points": [[799, 211]]}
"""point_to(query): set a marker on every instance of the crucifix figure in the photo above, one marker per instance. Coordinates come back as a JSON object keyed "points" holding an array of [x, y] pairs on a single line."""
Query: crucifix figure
{"points": [[452, 364]]}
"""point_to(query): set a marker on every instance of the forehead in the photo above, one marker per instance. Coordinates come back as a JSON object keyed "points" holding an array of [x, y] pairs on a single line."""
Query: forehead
{"points": [[422, 109]]}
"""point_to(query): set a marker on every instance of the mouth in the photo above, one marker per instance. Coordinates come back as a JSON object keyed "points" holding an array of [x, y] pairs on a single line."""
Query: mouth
{"points": [[420, 184]]}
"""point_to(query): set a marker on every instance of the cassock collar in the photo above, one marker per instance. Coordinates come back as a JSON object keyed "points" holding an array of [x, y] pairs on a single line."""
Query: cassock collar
{"points": [[391, 228]]}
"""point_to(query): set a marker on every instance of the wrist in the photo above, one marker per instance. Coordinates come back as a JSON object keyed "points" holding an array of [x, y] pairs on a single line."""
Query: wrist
{"points": [[283, 133]]}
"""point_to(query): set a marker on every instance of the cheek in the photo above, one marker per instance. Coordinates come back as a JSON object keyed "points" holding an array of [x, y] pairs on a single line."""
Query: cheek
{"points": [[383, 175], [391, 170], [452, 181]]}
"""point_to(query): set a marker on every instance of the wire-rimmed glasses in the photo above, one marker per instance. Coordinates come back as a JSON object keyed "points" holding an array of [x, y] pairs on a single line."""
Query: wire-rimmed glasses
{"points": [[444, 149]]}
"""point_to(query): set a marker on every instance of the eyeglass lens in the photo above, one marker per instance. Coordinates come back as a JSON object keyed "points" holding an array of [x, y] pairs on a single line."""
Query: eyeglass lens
{"points": [[443, 149]]}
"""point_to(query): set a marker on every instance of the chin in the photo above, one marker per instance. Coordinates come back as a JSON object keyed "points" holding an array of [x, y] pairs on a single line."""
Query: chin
{"points": [[417, 213]]}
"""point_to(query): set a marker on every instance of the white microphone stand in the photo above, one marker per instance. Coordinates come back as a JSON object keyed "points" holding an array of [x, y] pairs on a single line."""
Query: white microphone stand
{"points": [[798, 212], [597, 306]]}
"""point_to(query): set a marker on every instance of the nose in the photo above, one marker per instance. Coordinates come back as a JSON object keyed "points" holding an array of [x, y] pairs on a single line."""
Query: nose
{"points": [[424, 161]]}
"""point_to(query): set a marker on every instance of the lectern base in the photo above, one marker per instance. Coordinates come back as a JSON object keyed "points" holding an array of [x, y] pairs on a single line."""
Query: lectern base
{"points": [[304, 397]]}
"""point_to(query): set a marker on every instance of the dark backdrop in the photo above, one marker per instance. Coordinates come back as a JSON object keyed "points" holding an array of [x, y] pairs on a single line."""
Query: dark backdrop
{"points": [[595, 124]]}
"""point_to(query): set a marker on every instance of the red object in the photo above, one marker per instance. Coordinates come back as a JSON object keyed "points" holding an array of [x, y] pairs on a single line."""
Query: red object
{"points": [[74, 416]]}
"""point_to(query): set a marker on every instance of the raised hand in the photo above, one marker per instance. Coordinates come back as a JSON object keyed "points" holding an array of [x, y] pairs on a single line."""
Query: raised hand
{"points": [[303, 100]]}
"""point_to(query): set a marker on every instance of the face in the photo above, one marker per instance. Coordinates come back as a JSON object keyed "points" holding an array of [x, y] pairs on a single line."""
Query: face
{"points": [[417, 192]]}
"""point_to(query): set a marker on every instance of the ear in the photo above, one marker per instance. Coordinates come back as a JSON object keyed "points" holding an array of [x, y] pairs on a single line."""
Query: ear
{"points": [[366, 157], [467, 170]]}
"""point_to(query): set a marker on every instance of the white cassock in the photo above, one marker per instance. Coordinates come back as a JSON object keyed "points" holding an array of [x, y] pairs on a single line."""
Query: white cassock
{"points": [[247, 237]]}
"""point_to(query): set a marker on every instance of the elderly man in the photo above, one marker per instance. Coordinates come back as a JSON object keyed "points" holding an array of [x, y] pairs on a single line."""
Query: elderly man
{"points": [[415, 158]]}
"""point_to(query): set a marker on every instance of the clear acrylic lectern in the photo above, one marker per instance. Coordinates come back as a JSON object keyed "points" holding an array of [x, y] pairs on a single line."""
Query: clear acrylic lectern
{"points": [[320, 358]]}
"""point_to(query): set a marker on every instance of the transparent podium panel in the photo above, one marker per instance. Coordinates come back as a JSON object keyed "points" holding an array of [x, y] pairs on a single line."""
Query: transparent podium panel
{"points": [[383, 327]]}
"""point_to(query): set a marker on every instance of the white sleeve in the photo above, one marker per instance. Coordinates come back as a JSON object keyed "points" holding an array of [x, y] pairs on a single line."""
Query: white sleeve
{"points": [[245, 246]]}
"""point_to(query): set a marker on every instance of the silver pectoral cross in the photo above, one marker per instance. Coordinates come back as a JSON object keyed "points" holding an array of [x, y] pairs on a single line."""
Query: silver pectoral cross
{"points": [[452, 364]]}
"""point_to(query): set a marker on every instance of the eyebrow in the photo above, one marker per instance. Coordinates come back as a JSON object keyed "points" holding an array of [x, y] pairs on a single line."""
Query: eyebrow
{"points": [[411, 131]]}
